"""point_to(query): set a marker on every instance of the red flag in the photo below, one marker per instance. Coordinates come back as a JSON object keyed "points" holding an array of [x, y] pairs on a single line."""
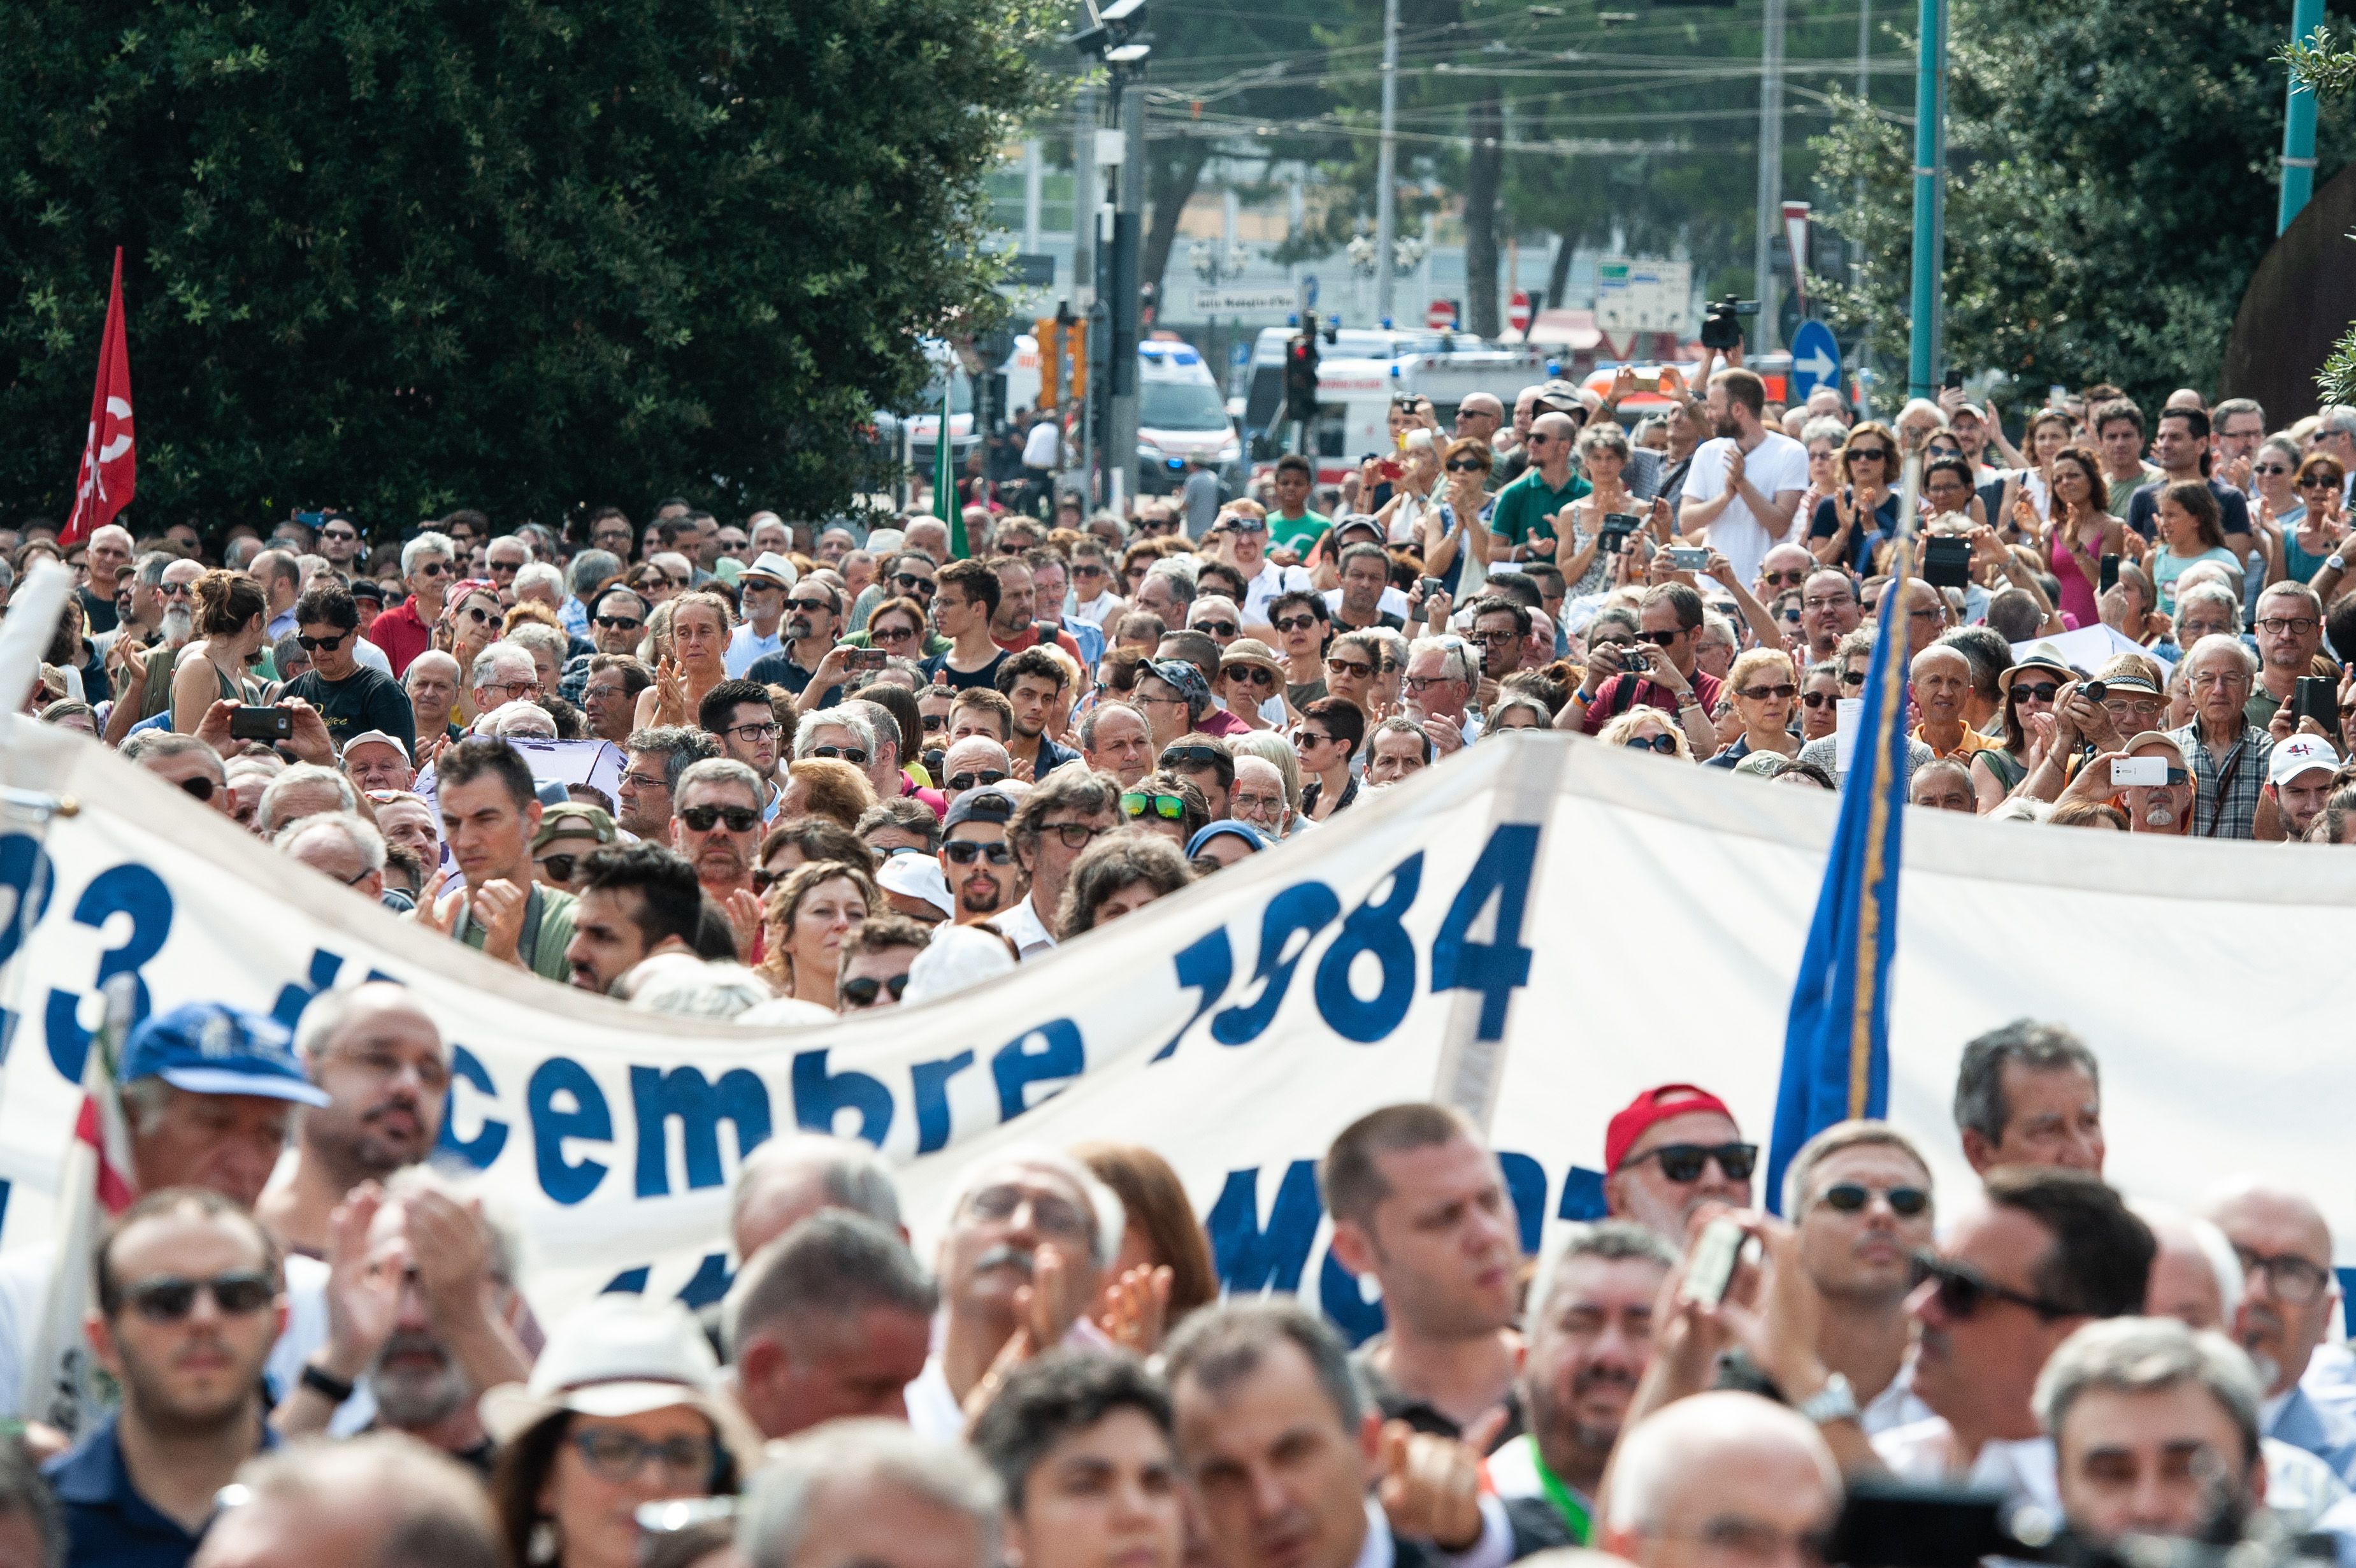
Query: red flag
{"points": [[110, 464]]}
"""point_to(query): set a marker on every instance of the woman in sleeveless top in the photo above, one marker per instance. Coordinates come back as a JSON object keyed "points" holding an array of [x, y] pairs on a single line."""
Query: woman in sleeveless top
{"points": [[232, 619], [2029, 689]]}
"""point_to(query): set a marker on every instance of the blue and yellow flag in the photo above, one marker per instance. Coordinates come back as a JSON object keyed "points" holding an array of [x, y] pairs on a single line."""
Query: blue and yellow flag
{"points": [[1837, 1043]]}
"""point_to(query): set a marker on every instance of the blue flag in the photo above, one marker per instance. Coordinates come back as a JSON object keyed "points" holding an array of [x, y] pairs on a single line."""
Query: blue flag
{"points": [[1836, 1042]]}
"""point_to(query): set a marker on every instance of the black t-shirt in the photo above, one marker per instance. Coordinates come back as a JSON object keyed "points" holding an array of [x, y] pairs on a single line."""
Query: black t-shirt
{"points": [[939, 671], [778, 669], [366, 699], [97, 609], [2143, 509], [1825, 523]]}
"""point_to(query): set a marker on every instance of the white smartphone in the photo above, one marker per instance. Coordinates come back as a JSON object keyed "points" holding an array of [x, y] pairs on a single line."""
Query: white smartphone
{"points": [[1711, 1268], [2138, 772]]}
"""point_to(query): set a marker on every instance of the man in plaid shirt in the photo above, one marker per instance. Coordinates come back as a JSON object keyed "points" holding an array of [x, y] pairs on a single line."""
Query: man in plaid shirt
{"points": [[2227, 752]]}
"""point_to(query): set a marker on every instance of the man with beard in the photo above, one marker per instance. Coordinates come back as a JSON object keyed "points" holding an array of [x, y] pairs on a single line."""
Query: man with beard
{"points": [[384, 1069], [1745, 483], [426, 1317], [1590, 1339], [1859, 1198], [1669, 1151], [635, 900], [738, 715], [2290, 1301], [716, 824], [1418, 1201], [142, 678], [977, 856], [813, 612], [654, 761]]}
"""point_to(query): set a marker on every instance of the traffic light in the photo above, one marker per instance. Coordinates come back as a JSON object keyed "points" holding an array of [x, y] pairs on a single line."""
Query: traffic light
{"points": [[1057, 339], [1301, 374]]}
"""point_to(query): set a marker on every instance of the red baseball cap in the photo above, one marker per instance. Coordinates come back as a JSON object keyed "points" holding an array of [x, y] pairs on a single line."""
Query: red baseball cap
{"points": [[1650, 1108]]}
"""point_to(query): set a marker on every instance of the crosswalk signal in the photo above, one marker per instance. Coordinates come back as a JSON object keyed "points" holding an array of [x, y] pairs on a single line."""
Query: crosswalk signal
{"points": [[1301, 374]]}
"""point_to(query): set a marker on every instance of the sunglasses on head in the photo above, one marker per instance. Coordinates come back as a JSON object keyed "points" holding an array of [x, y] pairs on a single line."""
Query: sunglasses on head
{"points": [[1850, 1198], [310, 644], [965, 851], [1137, 803], [863, 991], [619, 623], [1964, 1291], [1189, 757], [1684, 1161], [740, 818], [168, 1299]]}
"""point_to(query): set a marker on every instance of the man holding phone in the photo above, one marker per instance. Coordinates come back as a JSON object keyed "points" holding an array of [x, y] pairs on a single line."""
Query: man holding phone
{"points": [[813, 614], [2289, 630]]}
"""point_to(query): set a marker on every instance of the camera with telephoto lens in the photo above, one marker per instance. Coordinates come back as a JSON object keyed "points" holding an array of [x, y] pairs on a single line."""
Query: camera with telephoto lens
{"points": [[1721, 330], [1891, 1524]]}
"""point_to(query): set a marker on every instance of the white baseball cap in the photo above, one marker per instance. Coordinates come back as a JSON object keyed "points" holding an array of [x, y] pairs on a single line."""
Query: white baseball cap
{"points": [[2300, 754], [623, 1355], [916, 875]]}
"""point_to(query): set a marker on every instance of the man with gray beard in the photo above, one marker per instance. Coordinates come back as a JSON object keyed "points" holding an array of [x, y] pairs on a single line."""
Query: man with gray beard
{"points": [[421, 1303], [140, 655]]}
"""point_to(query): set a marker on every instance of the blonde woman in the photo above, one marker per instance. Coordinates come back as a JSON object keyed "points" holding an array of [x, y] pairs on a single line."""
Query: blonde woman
{"points": [[693, 662], [809, 915], [1765, 692], [1647, 729]]}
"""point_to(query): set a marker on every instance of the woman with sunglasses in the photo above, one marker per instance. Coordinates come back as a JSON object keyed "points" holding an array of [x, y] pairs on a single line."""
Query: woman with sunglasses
{"points": [[470, 622], [1465, 467], [2315, 525], [1864, 511], [810, 915], [1328, 735], [231, 622], [1764, 691], [695, 661], [2080, 530], [2030, 688], [1820, 695], [1249, 676], [1646, 729]]}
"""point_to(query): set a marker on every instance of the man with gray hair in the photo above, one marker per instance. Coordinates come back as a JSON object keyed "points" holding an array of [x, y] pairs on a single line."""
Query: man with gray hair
{"points": [[654, 760], [2289, 1302], [2228, 754], [1721, 1467], [2155, 1431], [305, 790], [379, 1501], [1030, 1235], [106, 557], [406, 631], [870, 1493], [1058, 818], [431, 687], [716, 824], [2030, 1094], [795, 1174], [184, 762], [504, 672], [345, 847], [1442, 672], [585, 578], [834, 1319], [1168, 590]]}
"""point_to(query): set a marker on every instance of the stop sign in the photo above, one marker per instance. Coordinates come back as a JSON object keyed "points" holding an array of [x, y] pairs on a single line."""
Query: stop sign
{"points": [[1439, 315], [1518, 314]]}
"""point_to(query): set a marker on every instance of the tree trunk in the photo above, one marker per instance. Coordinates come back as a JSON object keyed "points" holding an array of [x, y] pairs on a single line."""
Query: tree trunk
{"points": [[1484, 168], [1174, 187]]}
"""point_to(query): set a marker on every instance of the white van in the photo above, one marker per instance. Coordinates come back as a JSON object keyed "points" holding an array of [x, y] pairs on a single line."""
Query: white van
{"points": [[924, 420], [1179, 412]]}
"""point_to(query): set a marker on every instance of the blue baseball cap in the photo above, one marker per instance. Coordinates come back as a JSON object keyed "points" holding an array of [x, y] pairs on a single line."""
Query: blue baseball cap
{"points": [[1229, 827], [206, 1048]]}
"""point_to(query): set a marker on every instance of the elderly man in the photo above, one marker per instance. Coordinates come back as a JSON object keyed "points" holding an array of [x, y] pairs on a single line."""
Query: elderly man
{"points": [[806, 620], [1418, 1201], [426, 565], [1216, 617], [1589, 1339], [377, 762], [1783, 568], [1718, 1468], [872, 1493], [1478, 417], [1522, 519], [2289, 630], [618, 622], [716, 825], [1939, 680], [504, 672], [761, 591], [431, 686], [1257, 796], [304, 790], [1030, 1234], [345, 847], [609, 695], [2169, 809], [2227, 752], [1859, 1198], [1442, 673], [2290, 1302], [186, 763], [2039, 1255], [1118, 739], [834, 1319], [106, 558], [384, 1068], [1669, 1152], [792, 1176], [652, 762], [975, 762], [2029, 1094], [1174, 697], [1057, 820]]}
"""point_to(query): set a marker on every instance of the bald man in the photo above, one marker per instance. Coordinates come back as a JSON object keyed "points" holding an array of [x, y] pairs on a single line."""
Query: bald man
{"points": [[2291, 1299], [1940, 681], [1719, 1467], [1522, 519]]}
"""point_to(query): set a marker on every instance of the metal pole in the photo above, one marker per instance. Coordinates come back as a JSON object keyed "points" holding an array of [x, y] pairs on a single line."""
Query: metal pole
{"points": [[1770, 172], [1120, 423], [1856, 247], [2298, 124], [1387, 170], [1930, 198], [1085, 200]]}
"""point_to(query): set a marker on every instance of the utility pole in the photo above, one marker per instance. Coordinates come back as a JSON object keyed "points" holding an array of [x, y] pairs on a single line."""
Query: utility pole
{"points": [[1770, 169], [1128, 223], [2298, 124], [1387, 170], [1923, 346], [1085, 200], [1856, 247]]}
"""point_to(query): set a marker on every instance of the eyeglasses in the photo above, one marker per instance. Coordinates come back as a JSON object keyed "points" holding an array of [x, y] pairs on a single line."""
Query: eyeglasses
{"points": [[1763, 693], [558, 866], [1821, 603], [983, 780], [1661, 742], [169, 1298], [329, 644], [508, 686], [2298, 625], [433, 568], [617, 1453], [2036, 691], [1962, 1291], [2294, 1281], [1088, 569], [1050, 1215], [965, 851], [1421, 683], [863, 992], [1074, 835], [619, 623], [850, 754], [2207, 680], [740, 818], [1350, 666], [1168, 808], [646, 780], [1683, 1163], [1495, 639], [1850, 1198], [750, 733]]}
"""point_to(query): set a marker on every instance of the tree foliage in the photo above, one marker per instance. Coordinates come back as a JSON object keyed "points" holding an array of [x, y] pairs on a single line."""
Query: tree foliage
{"points": [[403, 254], [2112, 185]]}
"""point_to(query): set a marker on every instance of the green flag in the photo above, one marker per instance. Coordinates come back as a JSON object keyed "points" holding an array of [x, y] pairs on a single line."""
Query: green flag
{"points": [[945, 502]]}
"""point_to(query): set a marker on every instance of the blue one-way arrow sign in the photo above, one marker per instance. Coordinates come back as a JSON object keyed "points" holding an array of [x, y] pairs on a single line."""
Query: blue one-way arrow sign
{"points": [[1816, 360]]}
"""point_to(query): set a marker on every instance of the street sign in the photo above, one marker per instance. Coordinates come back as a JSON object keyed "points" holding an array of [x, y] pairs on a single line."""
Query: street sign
{"points": [[1518, 314], [1439, 315], [1816, 360], [1633, 296], [1210, 302]]}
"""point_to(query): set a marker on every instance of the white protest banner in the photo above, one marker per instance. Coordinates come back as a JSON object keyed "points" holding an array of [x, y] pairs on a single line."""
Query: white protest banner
{"points": [[1532, 931]]}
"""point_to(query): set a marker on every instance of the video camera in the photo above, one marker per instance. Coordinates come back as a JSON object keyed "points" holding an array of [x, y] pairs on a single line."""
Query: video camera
{"points": [[1721, 330], [1889, 1524]]}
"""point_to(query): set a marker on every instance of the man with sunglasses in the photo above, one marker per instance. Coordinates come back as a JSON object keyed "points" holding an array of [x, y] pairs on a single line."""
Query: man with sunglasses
{"points": [[407, 631], [808, 637], [2041, 1253], [188, 764], [1859, 1198], [716, 825], [1661, 670], [978, 855], [619, 622], [762, 591], [876, 956], [2289, 1304], [352, 698], [1247, 533], [1669, 1151], [1058, 818], [973, 762], [1522, 519]]}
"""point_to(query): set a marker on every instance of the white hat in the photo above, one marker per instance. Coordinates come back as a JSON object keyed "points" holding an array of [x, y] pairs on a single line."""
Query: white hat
{"points": [[774, 566], [916, 875], [378, 737], [623, 1355], [957, 957], [2298, 755]]}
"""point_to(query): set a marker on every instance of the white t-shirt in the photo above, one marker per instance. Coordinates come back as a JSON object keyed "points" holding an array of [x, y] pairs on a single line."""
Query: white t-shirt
{"points": [[1040, 446], [1776, 464], [1272, 580]]}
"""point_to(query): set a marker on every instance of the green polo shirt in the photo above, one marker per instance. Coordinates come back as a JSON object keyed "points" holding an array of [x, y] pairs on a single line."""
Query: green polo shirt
{"points": [[1525, 508], [1297, 534]]}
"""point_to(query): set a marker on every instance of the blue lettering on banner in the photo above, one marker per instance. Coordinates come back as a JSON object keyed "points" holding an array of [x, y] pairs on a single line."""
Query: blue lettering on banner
{"points": [[1060, 1056], [699, 1105], [821, 1095], [629, 1282], [1526, 1182], [1499, 967], [126, 889], [484, 1147], [293, 999], [564, 1180], [1250, 1258], [1300, 911], [931, 1080], [1582, 1195], [26, 875], [1373, 928], [713, 1278], [1206, 966]]}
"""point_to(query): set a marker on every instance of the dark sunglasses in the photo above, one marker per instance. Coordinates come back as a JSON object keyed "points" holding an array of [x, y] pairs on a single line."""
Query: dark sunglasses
{"points": [[478, 615], [620, 623], [740, 818], [1168, 808], [2320, 482], [1818, 699], [433, 568], [1761, 693], [909, 583], [1852, 677], [168, 1299], [561, 866], [1659, 638], [863, 992], [1794, 577], [850, 754], [1216, 628], [983, 780], [310, 644], [1467, 466], [1250, 675], [1684, 1161], [965, 851], [935, 721], [2270, 467], [1349, 666], [1664, 744], [1296, 623], [2041, 692], [1963, 1292], [202, 789], [1850, 1198], [1882, 453]]}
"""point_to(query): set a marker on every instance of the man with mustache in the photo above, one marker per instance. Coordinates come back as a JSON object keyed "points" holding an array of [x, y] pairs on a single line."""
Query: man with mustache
{"points": [[1590, 1339], [2290, 1300], [1859, 1198], [385, 1069]]}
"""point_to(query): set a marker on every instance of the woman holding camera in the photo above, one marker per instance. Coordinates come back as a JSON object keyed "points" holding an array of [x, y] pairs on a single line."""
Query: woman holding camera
{"points": [[1604, 458], [233, 621]]}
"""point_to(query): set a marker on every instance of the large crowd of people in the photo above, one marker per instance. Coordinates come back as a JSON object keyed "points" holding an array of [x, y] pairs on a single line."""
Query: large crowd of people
{"points": [[854, 764]]}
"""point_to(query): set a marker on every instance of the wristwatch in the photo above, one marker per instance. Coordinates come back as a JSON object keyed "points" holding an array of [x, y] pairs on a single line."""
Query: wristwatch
{"points": [[2335, 563], [1837, 1400]]}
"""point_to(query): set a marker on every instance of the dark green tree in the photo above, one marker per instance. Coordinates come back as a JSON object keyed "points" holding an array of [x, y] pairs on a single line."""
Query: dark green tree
{"points": [[2112, 186], [519, 255]]}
